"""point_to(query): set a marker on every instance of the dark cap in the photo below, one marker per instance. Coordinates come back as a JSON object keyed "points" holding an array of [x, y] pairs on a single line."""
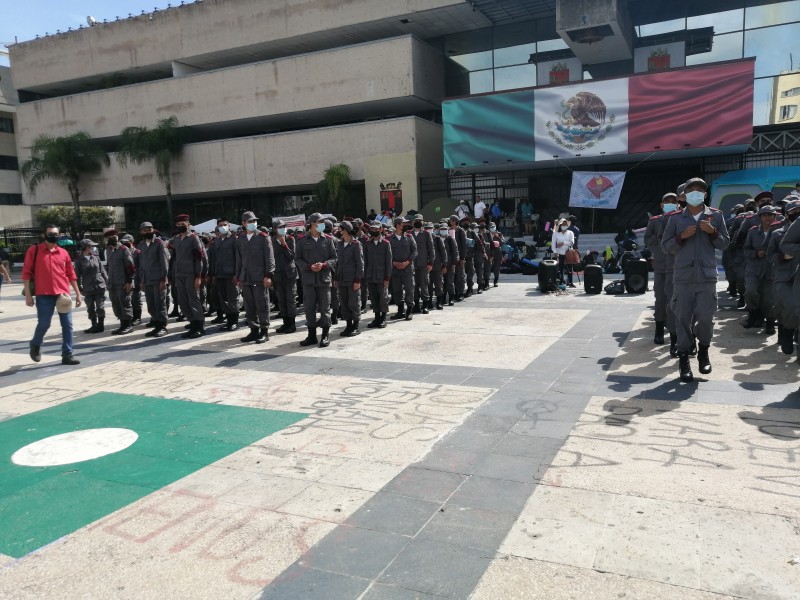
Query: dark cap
{"points": [[680, 189], [419, 217], [315, 217], [375, 225], [110, 232], [249, 216], [767, 210], [358, 222], [763, 196], [346, 226], [145, 225], [86, 243], [127, 238], [428, 225], [399, 221], [793, 204], [181, 218], [277, 223], [453, 218], [668, 195], [696, 181]]}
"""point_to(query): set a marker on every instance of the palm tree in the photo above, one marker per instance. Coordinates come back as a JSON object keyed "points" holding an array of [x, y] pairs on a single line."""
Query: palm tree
{"points": [[163, 144], [334, 189], [67, 159]]}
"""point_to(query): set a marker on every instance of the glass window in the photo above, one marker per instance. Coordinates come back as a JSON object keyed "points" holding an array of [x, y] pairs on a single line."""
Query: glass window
{"points": [[515, 55], [723, 47], [6, 125], [549, 45], [791, 92], [11, 199], [480, 82], [788, 112], [515, 77], [8, 163], [475, 61], [722, 22], [662, 27], [772, 47], [763, 111], [772, 14]]}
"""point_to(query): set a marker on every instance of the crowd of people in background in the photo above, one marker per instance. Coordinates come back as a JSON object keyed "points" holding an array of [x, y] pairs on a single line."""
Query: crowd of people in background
{"points": [[335, 270]]}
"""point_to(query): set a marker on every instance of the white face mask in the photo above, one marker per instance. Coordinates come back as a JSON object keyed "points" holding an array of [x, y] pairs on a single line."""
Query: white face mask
{"points": [[223, 230], [695, 198], [670, 207], [563, 228]]}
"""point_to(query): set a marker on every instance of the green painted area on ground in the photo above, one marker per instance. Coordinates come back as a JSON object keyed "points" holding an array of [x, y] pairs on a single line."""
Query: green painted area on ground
{"points": [[41, 504]]}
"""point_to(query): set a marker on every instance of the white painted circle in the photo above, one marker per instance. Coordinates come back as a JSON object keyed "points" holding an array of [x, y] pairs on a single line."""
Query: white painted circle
{"points": [[74, 447]]}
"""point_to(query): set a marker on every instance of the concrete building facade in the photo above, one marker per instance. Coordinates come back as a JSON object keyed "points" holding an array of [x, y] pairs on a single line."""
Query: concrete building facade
{"points": [[12, 210]]}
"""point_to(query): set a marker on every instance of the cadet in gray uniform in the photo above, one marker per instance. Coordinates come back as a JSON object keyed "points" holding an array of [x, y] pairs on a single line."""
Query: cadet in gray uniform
{"points": [[222, 267], [349, 274], [440, 264], [693, 236], [652, 239], [92, 282], [469, 255], [316, 260], [453, 261], [478, 256], [404, 252], [359, 232], [255, 265], [119, 263], [784, 270], [738, 235], [377, 273], [285, 278], [459, 235], [423, 265], [335, 307], [758, 286], [152, 277], [190, 263], [486, 238], [136, 291], [497, 252]]}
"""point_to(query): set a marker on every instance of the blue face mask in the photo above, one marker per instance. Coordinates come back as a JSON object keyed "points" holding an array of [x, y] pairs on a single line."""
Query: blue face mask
{"points": [[443, 233], [282, 231], [251, 227], [695, 198], [223, 229], [320, 227], [669, 207], [470, 242]]}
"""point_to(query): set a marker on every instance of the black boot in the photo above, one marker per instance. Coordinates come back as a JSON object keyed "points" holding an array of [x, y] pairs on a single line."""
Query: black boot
{"points": [[382, 322], [290, 326], [175, 312], [495, 281], [160, 329], [740, 302], [101, 324], [355, 330], [469, 293], [439, 303], [282, 328], [759, 318], [787, 344], [324, 341], [685, 367], [374, 323], [124, 327], [693, 347], [769, 327], [659, 337], [312, 337], [195, 331], [263, 335], [93, 328], [409, 316], [252, 336], [137, 316], [231, 322], [416, 310], [35, 352], [430, 302], [220, 318], [703, 361], [673, 345], [190, 331], [450, 300], [68, 359], [180, 318], [750, 322], [400, 314], [346, 331]]}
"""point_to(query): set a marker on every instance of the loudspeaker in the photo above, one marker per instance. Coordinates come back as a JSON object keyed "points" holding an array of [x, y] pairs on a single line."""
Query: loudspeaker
{"points": [[636, 276], [593, 279], [548, 276]]}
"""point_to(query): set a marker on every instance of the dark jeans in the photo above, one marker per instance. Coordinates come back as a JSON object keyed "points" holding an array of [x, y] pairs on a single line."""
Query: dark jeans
{"points": [[562, 267], [45, 306]]}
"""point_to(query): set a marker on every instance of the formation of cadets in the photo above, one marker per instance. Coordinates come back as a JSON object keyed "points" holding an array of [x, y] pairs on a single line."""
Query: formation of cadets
{"points": [[333, 270], [760, 244]]}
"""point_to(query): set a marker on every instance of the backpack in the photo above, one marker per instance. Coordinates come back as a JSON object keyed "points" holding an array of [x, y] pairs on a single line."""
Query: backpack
{"points": [[615, 287]]}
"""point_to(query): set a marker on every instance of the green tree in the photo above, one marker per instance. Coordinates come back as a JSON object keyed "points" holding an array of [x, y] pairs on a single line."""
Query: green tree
{"points": [[66, 159], [163, 145], [92, 217], [333, 192]]}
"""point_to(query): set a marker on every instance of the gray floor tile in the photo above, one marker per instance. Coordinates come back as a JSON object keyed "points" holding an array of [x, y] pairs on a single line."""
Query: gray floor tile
{"points": [[394, 514], [471, 527], [451, 459], [390, 592], [439, 569], [540, 448], [302, 583], [490, 423], [471, 440], [511, 468], [492, 494], [557, 430], [354, 551], [445, 378], [488, 382], [426, 484]]}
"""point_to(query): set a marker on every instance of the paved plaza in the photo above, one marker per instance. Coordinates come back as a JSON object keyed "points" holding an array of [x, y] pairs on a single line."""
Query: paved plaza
{"points": [[515, 446]]}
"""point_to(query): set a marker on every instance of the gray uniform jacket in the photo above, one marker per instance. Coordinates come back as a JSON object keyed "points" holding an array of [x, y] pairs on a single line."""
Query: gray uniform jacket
{"points": [[695, 258], [285, 268], [426, 253], [784, 269], [461, 242], [309, 252], [349, 263], [91, 274], [119, 262], [440, 260], [254, 258], [222, 257], [755, 266], [403, 248], [453, 249], [189, 256], [377, 261], [652, 239], [153, 262], [790, 242]]}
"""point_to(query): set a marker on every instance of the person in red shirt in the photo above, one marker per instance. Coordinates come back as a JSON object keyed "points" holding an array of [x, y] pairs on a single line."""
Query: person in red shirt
{"points": [[50, 269]]}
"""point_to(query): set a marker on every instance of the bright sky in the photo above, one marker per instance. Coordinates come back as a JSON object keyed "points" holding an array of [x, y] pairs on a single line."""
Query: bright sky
{"points": [[26, 19]]}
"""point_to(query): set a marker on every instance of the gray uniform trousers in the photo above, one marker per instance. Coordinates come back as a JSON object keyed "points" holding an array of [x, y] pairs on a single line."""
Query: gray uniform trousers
{"points": [[479, 264], [156, 303], [421, 283], [450, 279], [379, 297], [469, 269], [487, 271], [403, 285], [350, 300], [669, 290], [738, 262], [256, 304], [136, 300], [227, 295], [96, 304], [758, 295], [459, 278], [121, 303], [286, 293], [437, 278], [659, 289], [335, 300], [694, 305], [785, 304], [317, 298], [188, 298]]}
